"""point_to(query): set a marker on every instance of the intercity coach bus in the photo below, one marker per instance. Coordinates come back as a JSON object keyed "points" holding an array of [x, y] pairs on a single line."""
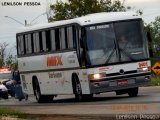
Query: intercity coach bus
{"points": [[92, 54]]}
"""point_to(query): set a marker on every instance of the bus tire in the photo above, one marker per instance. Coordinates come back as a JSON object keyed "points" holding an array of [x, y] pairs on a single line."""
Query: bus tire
{"points": [[88, 96], [77, 88], [37, 92], [48, 98], [133, 92], [5, 96]]}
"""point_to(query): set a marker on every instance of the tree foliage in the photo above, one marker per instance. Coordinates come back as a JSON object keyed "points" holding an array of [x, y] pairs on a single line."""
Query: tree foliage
{"points": [[11, 62], [7, 60], [154, 28], [3, 47], [77, 8]]}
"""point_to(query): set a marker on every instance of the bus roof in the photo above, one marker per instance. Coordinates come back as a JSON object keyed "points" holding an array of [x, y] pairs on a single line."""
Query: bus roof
{"points": [[86, 20]]}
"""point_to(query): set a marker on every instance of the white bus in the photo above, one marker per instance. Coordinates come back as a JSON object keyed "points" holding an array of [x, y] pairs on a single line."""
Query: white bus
{"points": [[88, 55]]}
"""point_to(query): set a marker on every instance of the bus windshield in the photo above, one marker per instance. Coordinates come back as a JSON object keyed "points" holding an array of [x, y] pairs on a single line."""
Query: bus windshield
{"points": [[115, 42]]}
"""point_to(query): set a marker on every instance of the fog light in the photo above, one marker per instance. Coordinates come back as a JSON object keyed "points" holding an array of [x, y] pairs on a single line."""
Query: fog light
{"points": [[145, 69]]}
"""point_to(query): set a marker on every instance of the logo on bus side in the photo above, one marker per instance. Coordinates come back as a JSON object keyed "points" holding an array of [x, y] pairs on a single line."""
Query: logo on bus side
{"points": [[54, 61]]}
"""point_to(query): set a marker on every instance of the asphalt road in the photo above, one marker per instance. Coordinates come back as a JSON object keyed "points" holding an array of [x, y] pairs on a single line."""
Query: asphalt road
{"points": [[106, 104], [146, 95]]}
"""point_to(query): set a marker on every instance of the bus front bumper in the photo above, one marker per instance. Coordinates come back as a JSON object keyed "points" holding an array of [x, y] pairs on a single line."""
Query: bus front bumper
{"points": [[105, 85]]}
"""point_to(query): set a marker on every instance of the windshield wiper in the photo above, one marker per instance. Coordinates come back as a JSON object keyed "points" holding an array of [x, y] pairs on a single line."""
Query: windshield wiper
{"points": [[109, 57], [114, 49], [126, 54]]}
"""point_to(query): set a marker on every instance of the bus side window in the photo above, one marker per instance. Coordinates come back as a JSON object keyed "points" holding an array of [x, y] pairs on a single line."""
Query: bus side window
{"points": [[66, 37], [36, 42], [28, 43], [57, 39], [69, 37], [40, 42], [62, 38], [20, 42], [32, 44], [48, 40], [74, 32], [44, 41], [53, 46]]}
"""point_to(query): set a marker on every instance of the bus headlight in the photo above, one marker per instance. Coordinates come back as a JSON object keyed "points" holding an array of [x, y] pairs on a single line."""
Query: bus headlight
{"points": [[97, 76]]}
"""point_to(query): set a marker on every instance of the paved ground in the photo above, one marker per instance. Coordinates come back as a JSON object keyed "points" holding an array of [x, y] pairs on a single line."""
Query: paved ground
{"points": [[106, 105]]}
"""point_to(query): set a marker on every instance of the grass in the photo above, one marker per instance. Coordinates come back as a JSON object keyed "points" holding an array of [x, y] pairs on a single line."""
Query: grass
{"points": [[12, 113], [155, 80]]}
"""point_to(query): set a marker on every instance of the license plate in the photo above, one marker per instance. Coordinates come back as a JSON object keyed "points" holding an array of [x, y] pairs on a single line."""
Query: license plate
{"points": [[122, 82]]}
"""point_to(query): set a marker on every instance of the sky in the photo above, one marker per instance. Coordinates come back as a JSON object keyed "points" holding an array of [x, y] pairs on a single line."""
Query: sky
{"points": [[9, 27], [150, 8]]}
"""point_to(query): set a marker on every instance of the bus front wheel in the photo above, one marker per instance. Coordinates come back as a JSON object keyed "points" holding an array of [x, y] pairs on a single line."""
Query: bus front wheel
{"points": [[133, 92], [77, 88]]}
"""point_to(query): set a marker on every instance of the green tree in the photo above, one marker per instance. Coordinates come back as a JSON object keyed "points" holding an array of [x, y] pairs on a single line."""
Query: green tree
{"points": [[7, 59], [11, 62], [154, 28], [77, 8], [3, 47]]}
